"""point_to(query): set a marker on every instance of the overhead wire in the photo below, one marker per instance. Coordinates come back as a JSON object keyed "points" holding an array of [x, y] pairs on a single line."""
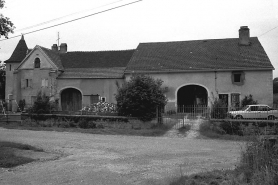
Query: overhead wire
{"points": [[268, 31], [56, 19], [103, 11]]}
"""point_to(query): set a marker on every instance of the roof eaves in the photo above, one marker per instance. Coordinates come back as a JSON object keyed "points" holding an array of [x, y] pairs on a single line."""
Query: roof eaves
{"points": [[197, 70]]}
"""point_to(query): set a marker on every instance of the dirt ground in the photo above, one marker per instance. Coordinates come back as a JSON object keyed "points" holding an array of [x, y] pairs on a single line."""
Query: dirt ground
{"points": [[76, 158]]}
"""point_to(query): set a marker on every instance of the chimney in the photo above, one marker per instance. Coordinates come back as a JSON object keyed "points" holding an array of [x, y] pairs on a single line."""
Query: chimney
{"points": [[54, 47], [244, 36], [63, 48]]}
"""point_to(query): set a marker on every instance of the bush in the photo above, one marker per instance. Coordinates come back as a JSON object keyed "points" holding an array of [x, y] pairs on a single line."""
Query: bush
{"points": [[231, 128], [21, 105], [41, 104], [140, 97], [219, 109], [83, 123], [248, 100]]}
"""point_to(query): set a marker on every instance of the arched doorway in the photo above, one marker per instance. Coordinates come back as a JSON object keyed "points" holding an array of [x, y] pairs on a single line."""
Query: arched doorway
{"points": [[71, 99], [192, 95]]}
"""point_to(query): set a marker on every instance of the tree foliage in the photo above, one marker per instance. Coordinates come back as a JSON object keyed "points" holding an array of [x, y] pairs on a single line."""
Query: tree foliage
{"points": [[2, 80], [41, 105], [6, 26], [248, 100], [275, 85], [140, 97]]}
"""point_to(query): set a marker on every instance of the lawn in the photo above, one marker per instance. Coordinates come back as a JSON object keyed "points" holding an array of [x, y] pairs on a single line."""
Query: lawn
{"points": [[9, 159]]}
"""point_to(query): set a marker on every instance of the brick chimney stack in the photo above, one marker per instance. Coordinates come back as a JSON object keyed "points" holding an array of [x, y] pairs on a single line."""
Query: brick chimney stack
{"points": [[63, 48], [244, 36], [54, 47]]}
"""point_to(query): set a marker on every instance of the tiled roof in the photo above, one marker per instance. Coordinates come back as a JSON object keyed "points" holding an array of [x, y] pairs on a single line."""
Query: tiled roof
{"points": [[19, 53], [216, 54], [96, 59], [115, 72], [54, 56]]}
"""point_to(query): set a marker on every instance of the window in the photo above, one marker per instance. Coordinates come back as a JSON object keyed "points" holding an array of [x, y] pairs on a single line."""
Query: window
{"points": [[238, 78], [26, 83], [37, 63], [103, 99], [94, 98], [44, 82], [254, 108], [10, 67], [235, 99]]}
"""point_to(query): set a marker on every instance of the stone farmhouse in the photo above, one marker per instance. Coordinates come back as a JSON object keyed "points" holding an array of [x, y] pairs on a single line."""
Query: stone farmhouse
{"points": [[194, 72]]}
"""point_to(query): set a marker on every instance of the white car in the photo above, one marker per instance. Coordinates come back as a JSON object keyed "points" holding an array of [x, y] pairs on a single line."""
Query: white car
{"points": [[254, 112]]}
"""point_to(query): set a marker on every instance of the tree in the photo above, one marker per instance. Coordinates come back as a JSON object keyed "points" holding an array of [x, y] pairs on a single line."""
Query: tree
{"points": [[6, 26], [248, 100], [41, 104], [140, 97], [2, 80], [275, 85]]}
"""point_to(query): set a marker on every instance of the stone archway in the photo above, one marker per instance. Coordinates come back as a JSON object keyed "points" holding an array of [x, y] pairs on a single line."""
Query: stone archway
{"points": [[71, 99], [192, 95]]}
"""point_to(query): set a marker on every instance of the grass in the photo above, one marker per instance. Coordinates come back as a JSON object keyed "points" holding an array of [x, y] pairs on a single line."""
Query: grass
{"points": [[258, 163], [258, 166], [7, 157], [213, 131], [134, 127], [184, 129]]}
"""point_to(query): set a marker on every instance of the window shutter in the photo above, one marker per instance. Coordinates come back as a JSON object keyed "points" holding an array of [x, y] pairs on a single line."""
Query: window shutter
{"points": [[30, 83], [46, 83], [23, 83], [42, 82]]}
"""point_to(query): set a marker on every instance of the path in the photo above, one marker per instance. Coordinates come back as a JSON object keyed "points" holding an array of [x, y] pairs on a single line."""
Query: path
{"points": [[109, 159]]}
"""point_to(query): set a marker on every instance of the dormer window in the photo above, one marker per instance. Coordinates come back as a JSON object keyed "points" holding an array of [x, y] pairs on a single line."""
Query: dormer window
{"points": [[37, 63]]}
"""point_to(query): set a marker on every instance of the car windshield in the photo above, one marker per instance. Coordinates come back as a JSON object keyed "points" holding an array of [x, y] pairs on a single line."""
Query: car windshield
{"points": [[244, 108]]}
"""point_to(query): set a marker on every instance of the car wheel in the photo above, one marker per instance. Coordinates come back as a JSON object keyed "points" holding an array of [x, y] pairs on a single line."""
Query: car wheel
{"points": [[271, 117], [239, 117]]}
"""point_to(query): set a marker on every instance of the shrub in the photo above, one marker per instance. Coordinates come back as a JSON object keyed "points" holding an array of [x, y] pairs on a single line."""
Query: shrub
{"points": [[83, 123], [219, 109], [140, 97], [248, 100], [21, 104], [41, 104], [231, 128]]}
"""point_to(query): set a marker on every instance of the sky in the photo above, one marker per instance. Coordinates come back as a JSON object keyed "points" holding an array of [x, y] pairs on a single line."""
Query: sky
{"points": [[140, 22]]}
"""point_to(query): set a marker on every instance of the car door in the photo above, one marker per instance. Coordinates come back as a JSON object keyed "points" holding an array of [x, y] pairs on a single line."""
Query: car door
{"points": [[252, 113], [263, 112]]}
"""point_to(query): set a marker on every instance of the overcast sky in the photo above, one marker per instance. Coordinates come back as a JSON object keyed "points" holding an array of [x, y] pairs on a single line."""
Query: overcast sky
{"points": [[144, 21]]}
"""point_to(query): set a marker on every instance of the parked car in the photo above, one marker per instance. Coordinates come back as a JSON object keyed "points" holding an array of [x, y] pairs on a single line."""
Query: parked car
{"points": [[254, 112]]}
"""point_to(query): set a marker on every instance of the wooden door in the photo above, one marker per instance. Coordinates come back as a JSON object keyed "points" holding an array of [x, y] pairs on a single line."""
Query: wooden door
{"points": [[71, 100]]}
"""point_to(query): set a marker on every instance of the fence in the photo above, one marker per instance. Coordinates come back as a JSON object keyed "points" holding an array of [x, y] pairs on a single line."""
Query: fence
{"points": [[260, 112]]}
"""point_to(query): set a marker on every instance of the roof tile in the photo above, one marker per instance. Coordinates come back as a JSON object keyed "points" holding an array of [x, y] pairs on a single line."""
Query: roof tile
{"points": [[215, 54]]}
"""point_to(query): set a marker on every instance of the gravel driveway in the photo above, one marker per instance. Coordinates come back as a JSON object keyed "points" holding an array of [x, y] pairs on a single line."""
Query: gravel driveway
{"points": [[76, 158]]}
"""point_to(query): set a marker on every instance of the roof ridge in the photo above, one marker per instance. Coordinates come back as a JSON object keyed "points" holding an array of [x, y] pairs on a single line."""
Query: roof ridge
{"points": [[98, 51], [191, 40]]}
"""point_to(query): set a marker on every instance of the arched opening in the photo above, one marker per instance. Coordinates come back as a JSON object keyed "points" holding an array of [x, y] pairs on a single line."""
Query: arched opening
{"points": [[192, 95], [37, 63], [71, 99]]}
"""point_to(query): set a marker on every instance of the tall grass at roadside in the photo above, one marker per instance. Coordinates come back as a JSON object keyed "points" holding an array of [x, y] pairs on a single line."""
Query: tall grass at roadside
{"points": [[258, 164]]}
